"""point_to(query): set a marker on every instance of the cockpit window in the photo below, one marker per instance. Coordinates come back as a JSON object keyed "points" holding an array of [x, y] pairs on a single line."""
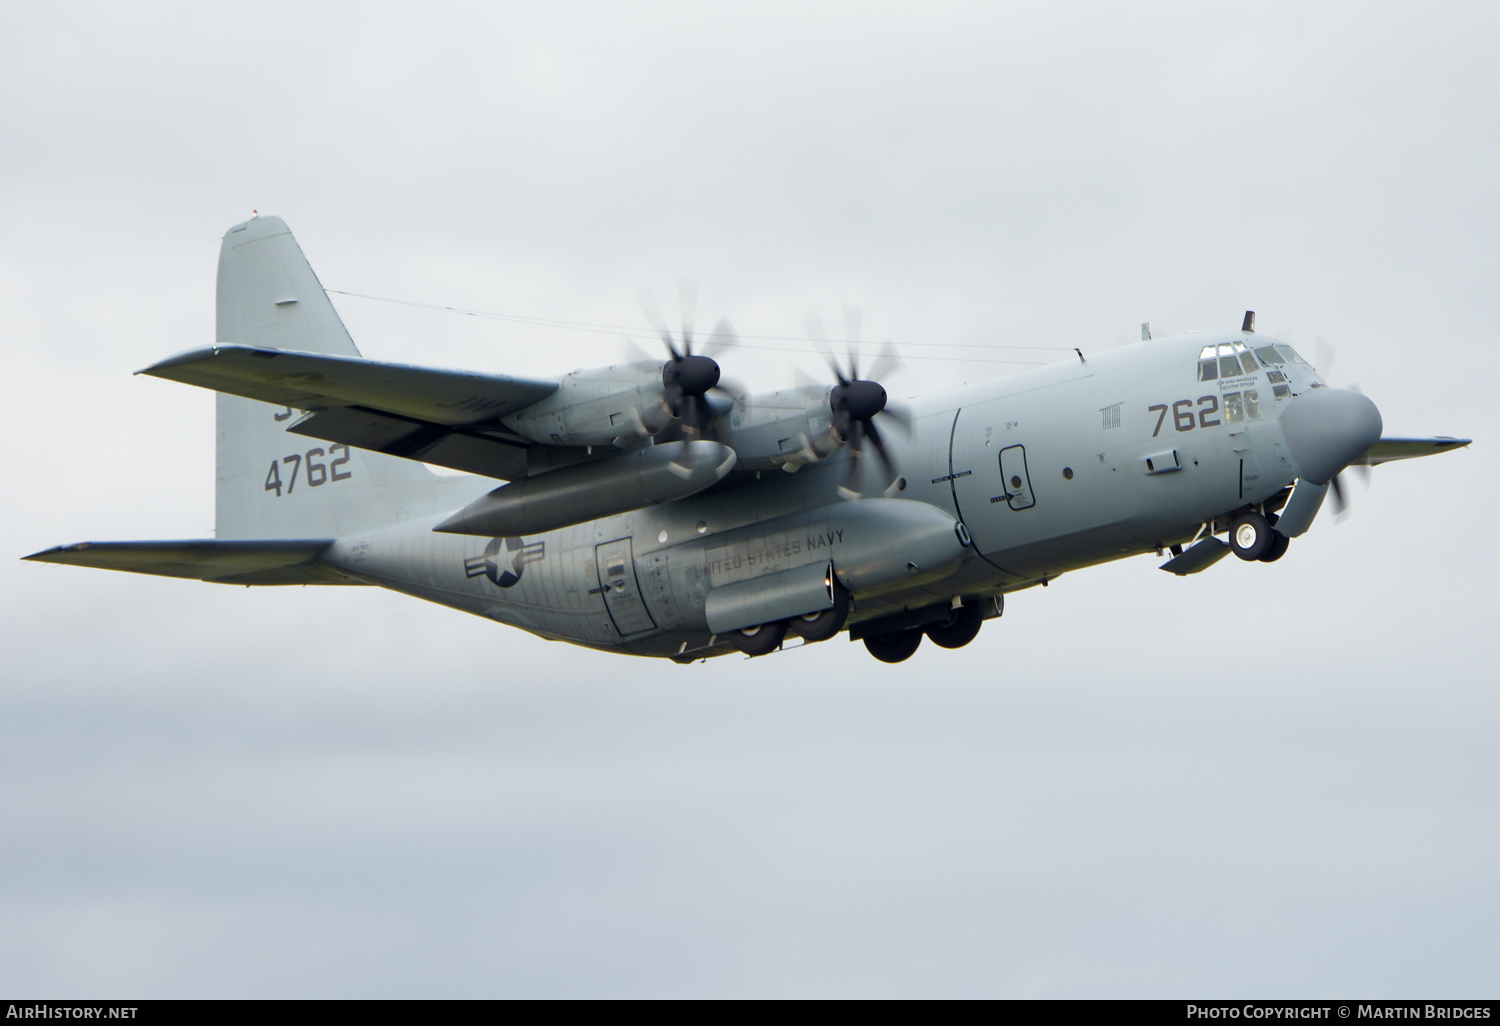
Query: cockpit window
{"points": [[1226, 360], [1275, 356]]}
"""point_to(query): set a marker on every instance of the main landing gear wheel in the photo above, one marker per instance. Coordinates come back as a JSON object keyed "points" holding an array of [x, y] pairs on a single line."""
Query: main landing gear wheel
{"points": [[896, 647], [961, 627], [760, 639], [824, 625], [1277, 548], [1250, 536]]}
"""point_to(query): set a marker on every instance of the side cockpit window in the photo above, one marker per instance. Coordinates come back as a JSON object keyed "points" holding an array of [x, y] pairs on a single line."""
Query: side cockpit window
{"points": [[1275, 356]]}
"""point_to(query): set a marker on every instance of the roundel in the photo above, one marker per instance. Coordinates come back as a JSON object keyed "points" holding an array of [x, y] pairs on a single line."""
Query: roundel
{"points": [[503, 561], [504, 570]]}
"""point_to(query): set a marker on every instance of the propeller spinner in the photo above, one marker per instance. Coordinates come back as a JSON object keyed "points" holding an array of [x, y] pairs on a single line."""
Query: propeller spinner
{"points": [[857, 401], [688, 377]]}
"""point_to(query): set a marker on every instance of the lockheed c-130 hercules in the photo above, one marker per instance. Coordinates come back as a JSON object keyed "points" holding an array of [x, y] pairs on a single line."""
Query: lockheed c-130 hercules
{"points": [[647, 511]]}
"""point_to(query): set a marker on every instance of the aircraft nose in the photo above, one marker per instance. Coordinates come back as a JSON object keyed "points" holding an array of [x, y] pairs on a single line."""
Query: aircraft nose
{"points": [[1326, 429]]}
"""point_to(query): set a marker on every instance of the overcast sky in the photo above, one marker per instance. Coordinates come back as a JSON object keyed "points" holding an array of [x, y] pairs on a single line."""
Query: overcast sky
{"points": [[1263, 780]]}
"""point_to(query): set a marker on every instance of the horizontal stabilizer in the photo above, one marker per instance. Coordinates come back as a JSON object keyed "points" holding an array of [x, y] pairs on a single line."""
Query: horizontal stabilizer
{"points": [[1388, 449], [278, 561], [311, 381]]}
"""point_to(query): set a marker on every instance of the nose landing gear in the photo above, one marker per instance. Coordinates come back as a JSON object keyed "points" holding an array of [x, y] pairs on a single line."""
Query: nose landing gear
{"points": [[1254, 539]]}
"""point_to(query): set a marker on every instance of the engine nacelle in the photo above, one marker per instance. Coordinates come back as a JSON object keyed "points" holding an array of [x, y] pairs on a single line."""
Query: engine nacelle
{"points": [[786, 429], [618, 405]]}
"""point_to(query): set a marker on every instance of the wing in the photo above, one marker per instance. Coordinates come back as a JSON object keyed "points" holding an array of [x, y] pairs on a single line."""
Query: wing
{"points": [[279, 561], [445, 417], [1388, 449]]}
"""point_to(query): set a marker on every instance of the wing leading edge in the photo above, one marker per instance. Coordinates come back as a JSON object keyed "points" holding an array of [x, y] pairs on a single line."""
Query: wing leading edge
{"points": [[1389, 449]]}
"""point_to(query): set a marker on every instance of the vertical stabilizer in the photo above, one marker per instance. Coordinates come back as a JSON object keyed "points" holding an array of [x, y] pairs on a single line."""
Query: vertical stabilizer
{"points": [[269, 295], [272, 484]]}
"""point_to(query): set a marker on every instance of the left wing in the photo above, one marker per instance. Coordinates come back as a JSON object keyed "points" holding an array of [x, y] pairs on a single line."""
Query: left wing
{"points": [[445, 417]]}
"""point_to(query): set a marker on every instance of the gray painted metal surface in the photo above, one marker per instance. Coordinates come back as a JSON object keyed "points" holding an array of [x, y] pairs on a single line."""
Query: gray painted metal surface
{"points": [[769, 598]]}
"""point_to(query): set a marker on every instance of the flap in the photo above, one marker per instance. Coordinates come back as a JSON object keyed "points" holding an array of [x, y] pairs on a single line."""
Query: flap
{"points": [[1388, 449], [277, 561], [466, 449], [311, 381]]}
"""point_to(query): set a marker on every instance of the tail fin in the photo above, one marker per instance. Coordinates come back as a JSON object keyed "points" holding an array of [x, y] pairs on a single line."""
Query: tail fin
{"points": [[277, 485]]}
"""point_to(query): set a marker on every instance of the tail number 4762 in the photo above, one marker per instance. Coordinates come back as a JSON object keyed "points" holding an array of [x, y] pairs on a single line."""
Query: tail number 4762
{"points": [[311, 464]]}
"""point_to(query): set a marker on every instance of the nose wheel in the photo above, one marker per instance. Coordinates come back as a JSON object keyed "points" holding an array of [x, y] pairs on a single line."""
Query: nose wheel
{"points": [[1253, 539], [1250, 536], [1277, 548]]}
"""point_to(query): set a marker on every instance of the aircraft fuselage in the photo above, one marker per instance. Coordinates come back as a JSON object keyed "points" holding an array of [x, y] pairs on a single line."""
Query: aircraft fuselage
{"points": [[1046, 471]]}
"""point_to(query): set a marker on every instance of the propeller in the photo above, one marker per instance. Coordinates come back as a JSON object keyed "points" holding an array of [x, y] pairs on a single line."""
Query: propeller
{"points": [[1325, 352], [688, 377], [1340, 503], [856, 401]]}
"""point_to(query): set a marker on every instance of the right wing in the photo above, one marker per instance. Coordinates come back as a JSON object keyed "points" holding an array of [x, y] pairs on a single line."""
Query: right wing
{"points": [[444, 417], [273, 561], [1388, 449]]}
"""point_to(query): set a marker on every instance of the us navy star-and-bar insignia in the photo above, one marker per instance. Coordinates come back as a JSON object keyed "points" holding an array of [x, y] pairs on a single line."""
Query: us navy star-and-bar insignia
{"points": [[505, 570]]}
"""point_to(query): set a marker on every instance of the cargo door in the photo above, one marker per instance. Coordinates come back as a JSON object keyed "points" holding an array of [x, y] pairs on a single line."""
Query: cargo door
{"points": [[622, 593]]}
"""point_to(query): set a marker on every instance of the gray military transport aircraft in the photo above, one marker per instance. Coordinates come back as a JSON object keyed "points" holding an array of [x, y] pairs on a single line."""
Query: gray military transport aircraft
{"points": [[644, 510]]}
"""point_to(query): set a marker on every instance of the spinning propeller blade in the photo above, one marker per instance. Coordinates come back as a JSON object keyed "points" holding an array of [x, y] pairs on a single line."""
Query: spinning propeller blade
{"points": [[688, 377], [856, 402]]}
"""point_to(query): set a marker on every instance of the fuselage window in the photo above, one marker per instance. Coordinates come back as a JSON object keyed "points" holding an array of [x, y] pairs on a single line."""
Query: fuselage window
{"points": [[1248, 362], [1240, 406], [1291, 354], [1269, 356], [1234, 408]]}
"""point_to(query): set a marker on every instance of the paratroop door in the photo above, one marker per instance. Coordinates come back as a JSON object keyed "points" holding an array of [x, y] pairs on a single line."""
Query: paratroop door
{"points": [[622, 593], [1017, 481]]}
